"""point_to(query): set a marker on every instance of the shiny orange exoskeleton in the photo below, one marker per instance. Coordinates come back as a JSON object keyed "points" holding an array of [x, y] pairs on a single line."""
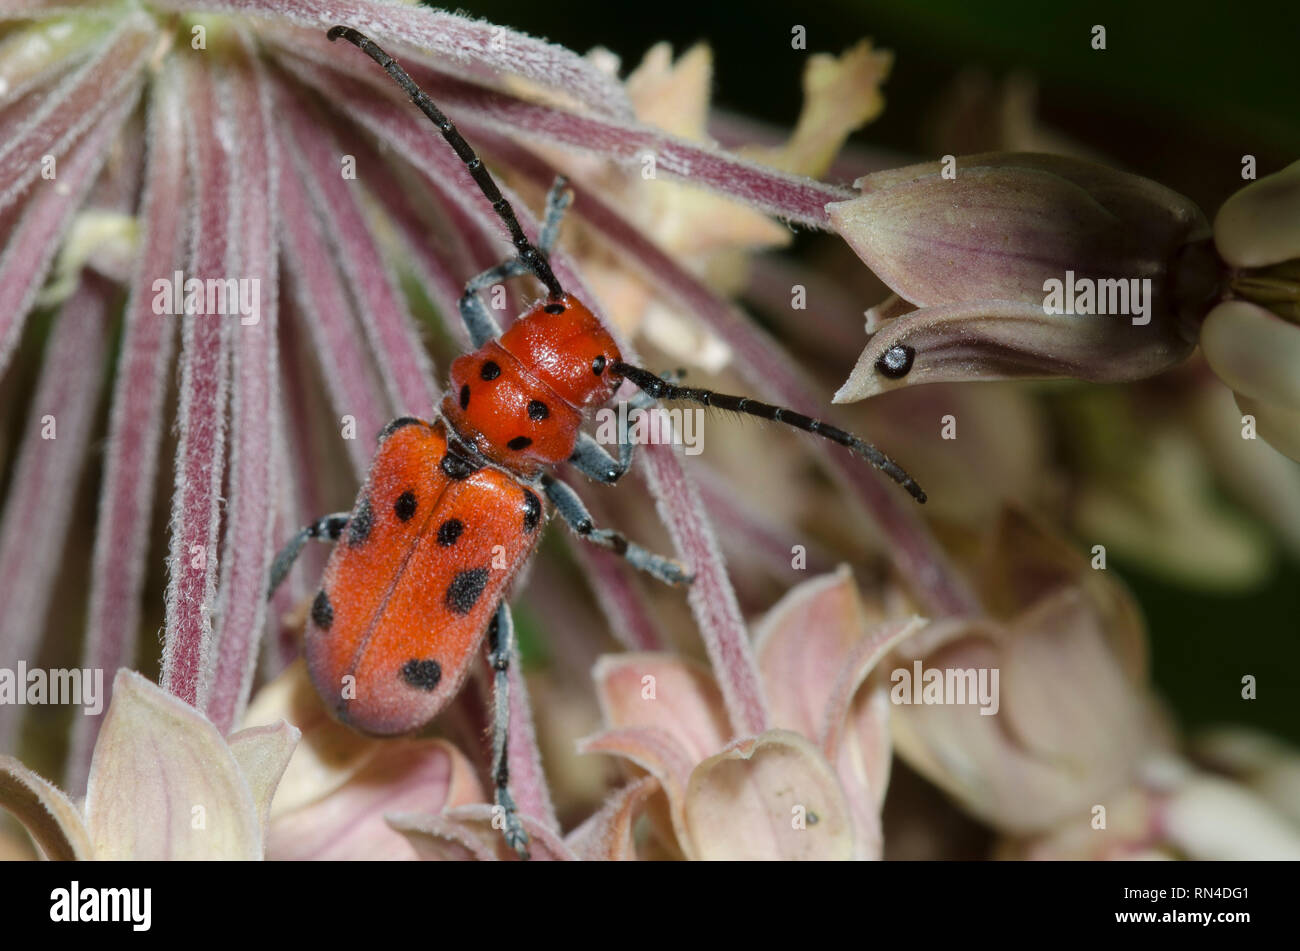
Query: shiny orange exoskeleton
{"points": [[522, 399], [453, 507], [436, 535]]}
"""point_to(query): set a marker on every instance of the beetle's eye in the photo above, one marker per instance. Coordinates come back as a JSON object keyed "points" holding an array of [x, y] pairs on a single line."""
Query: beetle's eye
{"points": [[598, 365]]}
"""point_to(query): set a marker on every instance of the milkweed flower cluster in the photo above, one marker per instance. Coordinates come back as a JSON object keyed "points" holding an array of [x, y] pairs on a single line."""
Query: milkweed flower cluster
{"points": [[210, 188]]}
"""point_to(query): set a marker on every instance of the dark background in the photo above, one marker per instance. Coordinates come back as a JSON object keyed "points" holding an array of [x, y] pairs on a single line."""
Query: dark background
{"points": [[1181, 92]]}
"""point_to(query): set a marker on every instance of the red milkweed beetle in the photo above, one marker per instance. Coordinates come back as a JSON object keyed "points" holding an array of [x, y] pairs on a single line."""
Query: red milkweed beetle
{"points": [[410, 590]]}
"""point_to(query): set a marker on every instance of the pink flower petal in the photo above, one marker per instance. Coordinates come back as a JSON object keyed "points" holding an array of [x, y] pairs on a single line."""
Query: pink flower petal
{"points": [[164, 784], [771, 797], [205, 344], [802, 644], [328, 754], [663, 692], [441, 839], [607, 835], [135, 422], [1008, 340], [1056, 643], [854, 732], [254, 403], [51, 818], [816, 648], [402, 776], [857, 665], [1013, 772], [659, 753], [262, 753], [862, 762], [467, 832]]}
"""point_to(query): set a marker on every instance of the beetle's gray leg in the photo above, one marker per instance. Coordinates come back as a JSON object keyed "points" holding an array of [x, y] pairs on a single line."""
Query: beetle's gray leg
{"points": [[573, 512]]}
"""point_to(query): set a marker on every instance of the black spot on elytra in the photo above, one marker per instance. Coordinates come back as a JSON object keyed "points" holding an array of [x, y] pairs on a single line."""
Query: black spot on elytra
{"points": [[532, 510], [489, 371], [361, 522], [455, 466], [404, 507], [519, 442], [464, 396], [463, 593], [896, 362], [537, 410], [322, 612], [396, 425], [449, 531], [598, 365], [422, 674]]}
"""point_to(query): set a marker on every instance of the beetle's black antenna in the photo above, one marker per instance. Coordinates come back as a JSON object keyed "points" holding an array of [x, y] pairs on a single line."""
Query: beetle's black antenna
{"points": [[661, 389], [532, 257]]}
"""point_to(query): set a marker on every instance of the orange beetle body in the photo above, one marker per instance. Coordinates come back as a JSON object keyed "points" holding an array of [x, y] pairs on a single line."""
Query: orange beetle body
{"points": [[520, 399], [451, 508], [447, 517]]}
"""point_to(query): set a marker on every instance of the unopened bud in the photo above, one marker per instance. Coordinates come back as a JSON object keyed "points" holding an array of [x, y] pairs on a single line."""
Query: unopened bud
{"points": [[1027, 265]]}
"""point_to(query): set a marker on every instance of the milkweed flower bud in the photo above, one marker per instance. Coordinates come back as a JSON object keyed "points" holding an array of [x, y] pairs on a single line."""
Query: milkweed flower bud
{"points": [[1026, 265]]}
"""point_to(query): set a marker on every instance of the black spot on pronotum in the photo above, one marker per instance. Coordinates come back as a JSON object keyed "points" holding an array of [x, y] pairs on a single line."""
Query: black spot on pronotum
{"points": [[537, 410], [519, 442], [396, 425], [361, 522], [322, 612], [896, 362], [455, 466], [404, 507], [598, 365], [464, 396], [489, 371], [463, 592], [532, 510], [449, 531], [422, 674]]}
